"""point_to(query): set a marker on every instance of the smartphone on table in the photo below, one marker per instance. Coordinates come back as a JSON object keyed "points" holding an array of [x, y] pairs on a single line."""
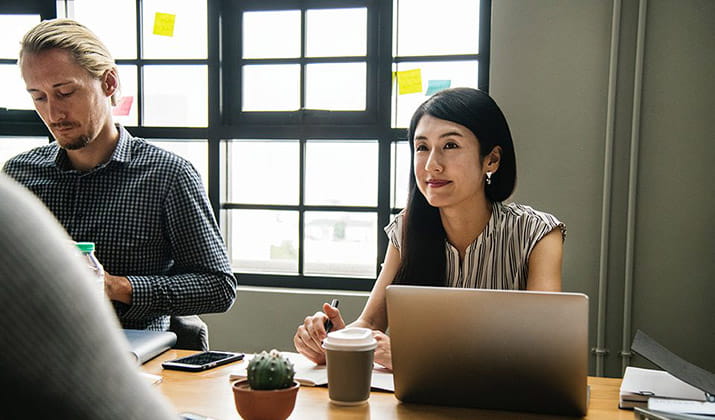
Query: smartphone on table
{"points": [[202, 361]]}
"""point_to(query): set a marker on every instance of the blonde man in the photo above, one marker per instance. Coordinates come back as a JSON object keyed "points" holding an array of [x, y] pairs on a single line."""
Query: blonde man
{"points": [[145, 208]]}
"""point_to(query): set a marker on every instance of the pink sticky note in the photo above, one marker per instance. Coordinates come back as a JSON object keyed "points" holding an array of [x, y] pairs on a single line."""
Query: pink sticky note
{"points": [[123, 107]]}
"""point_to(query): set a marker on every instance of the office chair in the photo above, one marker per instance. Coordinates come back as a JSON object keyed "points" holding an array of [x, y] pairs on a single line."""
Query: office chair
{"points": [[192, 333]]}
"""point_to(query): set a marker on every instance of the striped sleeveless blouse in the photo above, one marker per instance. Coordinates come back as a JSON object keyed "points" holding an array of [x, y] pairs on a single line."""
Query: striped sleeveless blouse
{"points": [[498, 257]]}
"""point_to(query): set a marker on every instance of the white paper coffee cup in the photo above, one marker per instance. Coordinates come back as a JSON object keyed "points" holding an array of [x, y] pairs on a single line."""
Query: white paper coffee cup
{"points": [[350, 354]]}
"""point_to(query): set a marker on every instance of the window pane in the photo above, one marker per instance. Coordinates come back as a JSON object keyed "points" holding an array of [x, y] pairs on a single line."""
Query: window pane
{"points": [[273, 34], [338, 86], [336, 32], [340, 243], [174, 29], [271, 87], [126, 112], [176, 96], [12, 146], [195, 151], [415, 20], [119, 35], [14, 95], [448, 73], [264, 241], [263, 171], [341, 173], [12, 29], [400, 171]]}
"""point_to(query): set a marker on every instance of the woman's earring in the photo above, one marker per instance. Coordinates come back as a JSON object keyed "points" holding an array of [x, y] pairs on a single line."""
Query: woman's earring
{"points": [[489, 178]]}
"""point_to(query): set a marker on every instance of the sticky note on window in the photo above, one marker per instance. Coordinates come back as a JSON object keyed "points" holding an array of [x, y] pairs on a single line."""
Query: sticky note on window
{"points": [[164, 24], [123, 107], [409, 81], [434, 86]]}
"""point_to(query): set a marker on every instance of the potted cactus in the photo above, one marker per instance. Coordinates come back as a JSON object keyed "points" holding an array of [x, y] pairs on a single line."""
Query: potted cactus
{"points": [[269, 391]]}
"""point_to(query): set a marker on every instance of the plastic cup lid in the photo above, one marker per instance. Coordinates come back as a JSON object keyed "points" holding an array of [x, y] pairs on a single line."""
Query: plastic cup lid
{"points": [[85, 246], [350, 339]]}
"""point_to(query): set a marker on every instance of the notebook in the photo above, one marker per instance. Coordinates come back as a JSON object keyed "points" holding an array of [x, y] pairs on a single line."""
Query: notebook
{"points": [[639, 385], [146, 345], [490, 349]]}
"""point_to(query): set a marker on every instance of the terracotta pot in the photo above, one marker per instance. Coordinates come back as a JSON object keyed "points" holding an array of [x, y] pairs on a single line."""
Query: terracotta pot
{"points": [[274, 404]]}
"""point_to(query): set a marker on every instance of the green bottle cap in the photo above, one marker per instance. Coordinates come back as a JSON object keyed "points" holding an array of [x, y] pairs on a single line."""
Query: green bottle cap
{"points": [[85, 246]]}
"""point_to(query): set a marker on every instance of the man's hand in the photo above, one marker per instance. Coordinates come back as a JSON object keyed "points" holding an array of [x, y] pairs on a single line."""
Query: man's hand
{"points": [[118, 288]]}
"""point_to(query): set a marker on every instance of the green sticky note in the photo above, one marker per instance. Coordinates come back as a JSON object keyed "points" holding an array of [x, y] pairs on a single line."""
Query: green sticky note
{"points": [[434, 86], [164, 24], [409, 81]]}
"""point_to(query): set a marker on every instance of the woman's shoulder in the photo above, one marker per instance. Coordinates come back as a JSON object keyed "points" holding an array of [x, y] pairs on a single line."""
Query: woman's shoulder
{"points": [[516, 210], [394, 229], [521, 214], [396, 222]]}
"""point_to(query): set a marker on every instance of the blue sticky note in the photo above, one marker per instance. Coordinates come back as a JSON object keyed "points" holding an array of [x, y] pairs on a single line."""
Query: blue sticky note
{"points": [[434, 86]]}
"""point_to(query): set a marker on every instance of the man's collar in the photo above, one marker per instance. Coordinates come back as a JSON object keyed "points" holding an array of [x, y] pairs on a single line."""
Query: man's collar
{"points": [[122, 151]]}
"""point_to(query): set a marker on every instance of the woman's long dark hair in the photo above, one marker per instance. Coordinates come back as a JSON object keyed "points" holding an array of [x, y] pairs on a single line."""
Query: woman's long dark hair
{"points": [[423, 236]]}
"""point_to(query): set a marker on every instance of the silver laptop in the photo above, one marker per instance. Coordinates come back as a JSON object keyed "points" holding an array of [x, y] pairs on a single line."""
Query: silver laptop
{"points": [[491, 349]]}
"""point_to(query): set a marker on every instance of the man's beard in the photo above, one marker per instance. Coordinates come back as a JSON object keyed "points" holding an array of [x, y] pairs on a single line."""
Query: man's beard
{"points": [[73, 143], [77, 143]]}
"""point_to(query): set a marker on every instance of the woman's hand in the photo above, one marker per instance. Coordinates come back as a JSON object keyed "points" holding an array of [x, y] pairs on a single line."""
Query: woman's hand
{"points": [[383, 352], [309, 337]]}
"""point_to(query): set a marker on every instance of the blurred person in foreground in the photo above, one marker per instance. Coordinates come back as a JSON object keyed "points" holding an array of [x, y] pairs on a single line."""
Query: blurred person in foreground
{"points": [[60, 359]]}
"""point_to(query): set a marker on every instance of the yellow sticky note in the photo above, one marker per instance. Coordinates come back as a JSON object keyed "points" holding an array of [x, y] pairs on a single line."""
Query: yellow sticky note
{"points": [[409, 81], [164, 24]]}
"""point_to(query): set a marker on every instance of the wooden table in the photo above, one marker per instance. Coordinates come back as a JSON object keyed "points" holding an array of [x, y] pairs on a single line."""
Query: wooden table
{"points": [[209, 393]]}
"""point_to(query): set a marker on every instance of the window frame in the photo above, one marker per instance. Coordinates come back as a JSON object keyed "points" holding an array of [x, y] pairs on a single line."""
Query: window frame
{"points": [[304, 116], [227, 122], [25, 122]]}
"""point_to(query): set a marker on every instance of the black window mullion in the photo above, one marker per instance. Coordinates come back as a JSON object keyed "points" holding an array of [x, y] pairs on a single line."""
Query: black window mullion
{"points": [[380, 18], [140, 66], [16, 121], [301, 203], [214, 104], [303, 63], [302, 207], [485, 22], [47, 9], [438, 58]]}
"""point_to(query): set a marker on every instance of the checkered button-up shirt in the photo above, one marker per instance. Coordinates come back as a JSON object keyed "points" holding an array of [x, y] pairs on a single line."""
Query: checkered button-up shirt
{"points": [[150, 219]]}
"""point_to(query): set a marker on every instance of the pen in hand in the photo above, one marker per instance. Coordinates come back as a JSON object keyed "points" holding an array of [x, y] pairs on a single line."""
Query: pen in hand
{"points": [[328, 324]]}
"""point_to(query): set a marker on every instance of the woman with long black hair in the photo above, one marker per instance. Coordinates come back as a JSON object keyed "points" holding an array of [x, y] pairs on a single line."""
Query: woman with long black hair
{"points": [[456, 230]]}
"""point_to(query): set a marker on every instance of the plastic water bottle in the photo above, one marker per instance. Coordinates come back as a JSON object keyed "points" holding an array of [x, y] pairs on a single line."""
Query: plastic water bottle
{"points": [[87, 251]]}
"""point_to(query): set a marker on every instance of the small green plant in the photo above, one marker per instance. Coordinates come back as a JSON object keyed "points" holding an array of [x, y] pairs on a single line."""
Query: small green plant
{"points": [[270, 371]]}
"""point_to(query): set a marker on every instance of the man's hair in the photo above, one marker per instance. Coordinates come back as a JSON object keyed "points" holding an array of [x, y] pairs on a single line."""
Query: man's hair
{"points": [[85, 47]]}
